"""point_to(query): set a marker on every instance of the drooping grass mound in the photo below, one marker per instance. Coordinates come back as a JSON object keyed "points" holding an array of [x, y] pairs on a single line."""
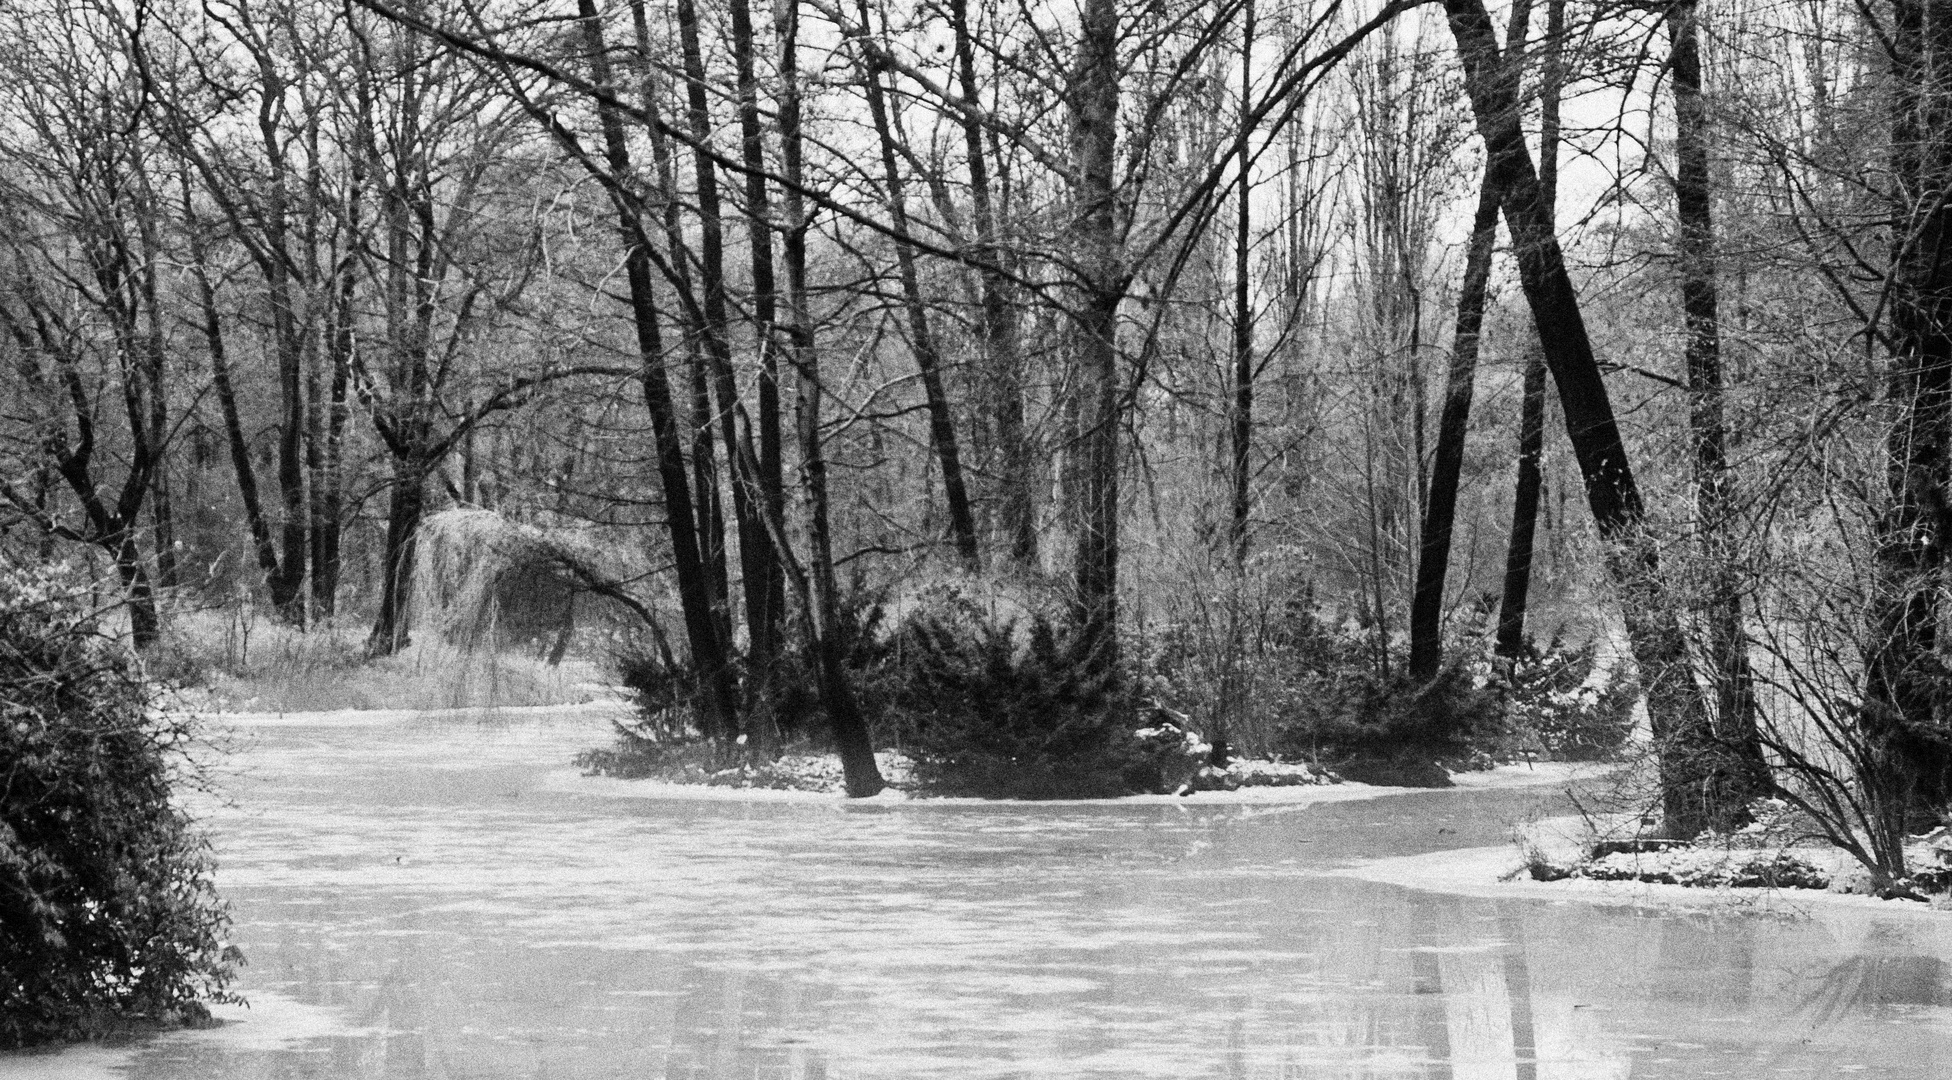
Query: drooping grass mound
{"points": [[107, 914]]}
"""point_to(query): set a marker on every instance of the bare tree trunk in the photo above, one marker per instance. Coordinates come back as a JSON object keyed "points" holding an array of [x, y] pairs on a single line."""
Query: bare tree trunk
{"points": [[1904, 692], [709, 507], [1727, 757], [406, 505], [1002, 347], [843, 708], [709, 650], [1673, 703], [1241, 427], [1447, 465], [1531, 404], [753, 542], [1094, 116], [942, 426], [1525, 507], [765, 580]]}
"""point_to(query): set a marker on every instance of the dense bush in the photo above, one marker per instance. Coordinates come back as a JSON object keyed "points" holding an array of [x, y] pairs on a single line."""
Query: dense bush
{"points": [[1002, 707], [1555, 708], [1345, 699], [107, 914]]}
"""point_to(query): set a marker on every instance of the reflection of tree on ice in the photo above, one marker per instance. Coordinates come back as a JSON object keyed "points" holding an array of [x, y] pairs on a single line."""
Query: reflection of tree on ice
{"points": [[1499, 1022]]}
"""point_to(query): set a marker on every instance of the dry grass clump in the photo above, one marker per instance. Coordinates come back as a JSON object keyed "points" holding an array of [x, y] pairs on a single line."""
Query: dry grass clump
{"points": [[242, 661]]}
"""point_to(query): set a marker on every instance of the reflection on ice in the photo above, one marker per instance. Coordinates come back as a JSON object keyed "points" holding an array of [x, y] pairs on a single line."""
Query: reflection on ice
{"points": [[430, 900]]}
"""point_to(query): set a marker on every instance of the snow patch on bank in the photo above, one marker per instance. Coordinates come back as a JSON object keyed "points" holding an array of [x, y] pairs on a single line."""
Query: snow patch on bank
{"points": [[1544, 774], [1497, 873]]}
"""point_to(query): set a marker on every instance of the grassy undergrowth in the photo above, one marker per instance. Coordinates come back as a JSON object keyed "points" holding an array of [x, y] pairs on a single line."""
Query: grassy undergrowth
{"points": [[243, 662]]}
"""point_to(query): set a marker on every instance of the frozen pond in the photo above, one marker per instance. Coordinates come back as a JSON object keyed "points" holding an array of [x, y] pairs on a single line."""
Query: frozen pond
{"points": [[443, 897]]}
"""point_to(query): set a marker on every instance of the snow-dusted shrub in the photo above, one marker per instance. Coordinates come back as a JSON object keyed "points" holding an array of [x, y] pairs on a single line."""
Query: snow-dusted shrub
{"points": [[107, 913], [1347, 701], [1707, 868], [1554, 705], [992, 708]]}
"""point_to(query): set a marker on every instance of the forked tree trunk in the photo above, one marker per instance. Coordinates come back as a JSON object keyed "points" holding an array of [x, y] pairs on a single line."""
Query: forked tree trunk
{"points": [[942, 424], [1453, 426], [709, 651], [1673, 703], [765, 580], [755, 548], [1002, 349], [706, 501]]}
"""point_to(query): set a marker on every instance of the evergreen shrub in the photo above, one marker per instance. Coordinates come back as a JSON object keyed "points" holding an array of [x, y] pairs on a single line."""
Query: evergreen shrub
{"points": [[107, 913], [1001, 707], [1346, 700]]}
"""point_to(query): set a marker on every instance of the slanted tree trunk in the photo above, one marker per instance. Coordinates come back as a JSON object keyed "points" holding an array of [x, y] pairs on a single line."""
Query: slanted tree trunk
{"points": [[1447, 464], [717, 684], [1453, 425], [1730, 770], [942, 425], [1904, 685], [1673, 703], [827, 641], [1529, 481]]}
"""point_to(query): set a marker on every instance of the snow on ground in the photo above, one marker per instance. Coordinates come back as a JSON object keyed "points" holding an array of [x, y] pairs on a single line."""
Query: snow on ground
{"points": [[1543, 774], [1497, 873], [609, 708]]}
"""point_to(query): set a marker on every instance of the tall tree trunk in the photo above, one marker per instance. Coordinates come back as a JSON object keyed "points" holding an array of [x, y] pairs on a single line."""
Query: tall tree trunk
{"points": [[1525, 507], [942, 426], [709, 650], [1002, 347], [1727, 758], [828, 642], [1673, 702], [746, 511], [1093, 94], [263, 544], [1447, 465], [1531, 403], [706, 500], [406, 506], [1453, 425], [765, 580], [1903, 686], [1241, 427]]}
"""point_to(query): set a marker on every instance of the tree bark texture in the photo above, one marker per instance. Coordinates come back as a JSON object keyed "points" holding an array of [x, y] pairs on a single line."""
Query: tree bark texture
{"points": [[1725, 757], [1093, 93], [1673, 702], [928, 361], [717, 684], [1905, 689], [827, 641]]}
